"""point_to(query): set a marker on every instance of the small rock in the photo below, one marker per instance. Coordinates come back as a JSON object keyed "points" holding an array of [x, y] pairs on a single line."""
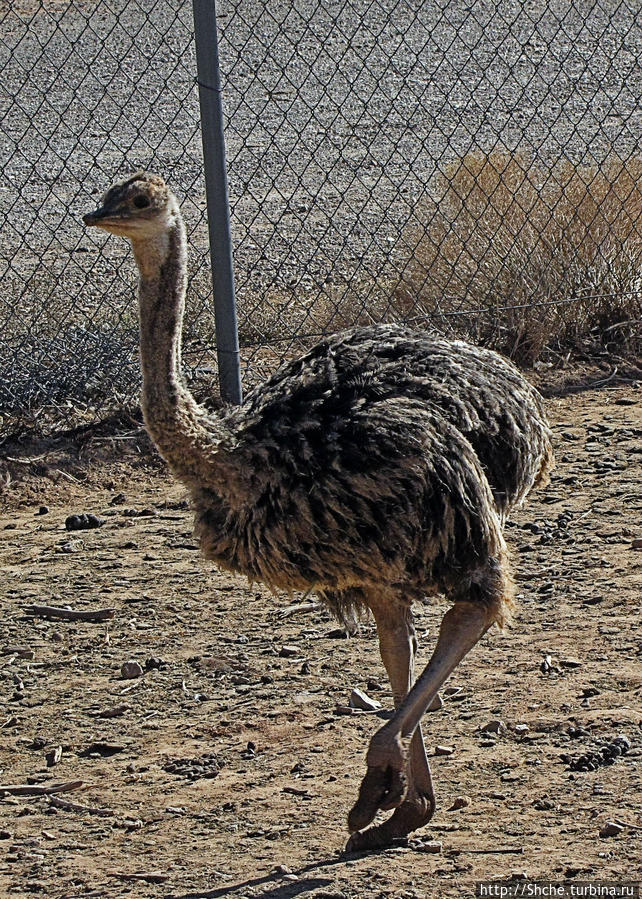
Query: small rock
{"points": [[637, 543], [338, 633], [360, 700], [70, 546], [154, 663], [83, 522], [444, 750], [496, 726], [547, 666], [53, 756], [130, 670], [431, 846], [460, 802], [43, 510], [522, 728], [570, 663], [101, 749], [114, 712], [5, 835], [288, 652], [611, 829], [280, 870]]}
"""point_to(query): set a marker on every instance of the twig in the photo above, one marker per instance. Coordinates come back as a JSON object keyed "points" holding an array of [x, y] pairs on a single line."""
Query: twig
{"points": [[70, 614], [151, 877], [605, 380], [68, 806], [20, 651], [626, 824], [9, 722], [300, 607], [41, 789], [519, 850], [66, 474]]}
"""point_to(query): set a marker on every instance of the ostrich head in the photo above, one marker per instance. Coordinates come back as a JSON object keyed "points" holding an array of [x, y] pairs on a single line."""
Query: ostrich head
{"points": [[141, 206]]}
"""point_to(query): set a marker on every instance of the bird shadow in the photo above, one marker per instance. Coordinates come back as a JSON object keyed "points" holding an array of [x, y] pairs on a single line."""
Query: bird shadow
{"points": [[280, 890]]}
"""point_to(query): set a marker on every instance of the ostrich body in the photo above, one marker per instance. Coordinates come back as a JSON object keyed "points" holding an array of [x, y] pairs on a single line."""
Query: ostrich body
{"points": [[375, 470]]}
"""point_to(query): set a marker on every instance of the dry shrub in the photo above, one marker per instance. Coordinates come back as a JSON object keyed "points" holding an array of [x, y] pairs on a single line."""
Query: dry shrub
{"points": [[550, 258]]}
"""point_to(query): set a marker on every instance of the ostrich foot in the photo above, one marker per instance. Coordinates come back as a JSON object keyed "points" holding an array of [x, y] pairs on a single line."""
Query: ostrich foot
{"points": [[385, 782], [413, 813]]}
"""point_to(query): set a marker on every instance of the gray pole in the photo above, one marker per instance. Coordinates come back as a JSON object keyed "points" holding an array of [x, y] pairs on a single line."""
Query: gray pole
{"points": [[218, 210]]}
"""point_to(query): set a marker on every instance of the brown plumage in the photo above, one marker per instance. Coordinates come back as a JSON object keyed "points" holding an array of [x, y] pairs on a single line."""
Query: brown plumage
{"points": [[377, 469]]}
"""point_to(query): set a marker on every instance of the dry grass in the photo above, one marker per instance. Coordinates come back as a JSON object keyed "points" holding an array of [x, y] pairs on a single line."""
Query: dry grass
{"points": [[561, 247]]}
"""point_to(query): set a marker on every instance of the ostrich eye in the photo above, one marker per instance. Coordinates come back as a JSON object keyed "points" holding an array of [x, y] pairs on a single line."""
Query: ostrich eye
{"points": [[141, 201]]}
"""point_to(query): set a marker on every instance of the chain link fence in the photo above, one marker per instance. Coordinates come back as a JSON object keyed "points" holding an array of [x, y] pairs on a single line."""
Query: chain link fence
{"points": [[469, 166]]}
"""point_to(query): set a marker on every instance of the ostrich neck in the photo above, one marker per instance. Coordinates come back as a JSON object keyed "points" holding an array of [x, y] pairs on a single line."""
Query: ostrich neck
{"points": [[186, 436]]}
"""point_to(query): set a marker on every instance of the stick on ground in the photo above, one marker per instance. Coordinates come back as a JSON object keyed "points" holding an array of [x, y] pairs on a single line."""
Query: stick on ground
{"points": [[40, 789], [70, 614]]}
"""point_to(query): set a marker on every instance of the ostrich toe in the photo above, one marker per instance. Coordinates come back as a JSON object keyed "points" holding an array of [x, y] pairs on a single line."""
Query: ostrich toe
{"points": [[381, 788], [385, 783], [414, 812]]}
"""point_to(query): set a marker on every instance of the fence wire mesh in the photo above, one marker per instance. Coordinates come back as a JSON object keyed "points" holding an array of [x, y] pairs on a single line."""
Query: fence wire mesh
{"points": [[471, 166]]}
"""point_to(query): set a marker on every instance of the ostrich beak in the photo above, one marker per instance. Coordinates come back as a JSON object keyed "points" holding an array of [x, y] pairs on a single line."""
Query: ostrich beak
{"points": [[95, 217]]}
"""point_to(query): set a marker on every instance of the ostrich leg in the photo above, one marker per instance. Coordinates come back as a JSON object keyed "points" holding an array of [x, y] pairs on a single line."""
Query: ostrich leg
{"points": [[384, 784], [398, 646]]}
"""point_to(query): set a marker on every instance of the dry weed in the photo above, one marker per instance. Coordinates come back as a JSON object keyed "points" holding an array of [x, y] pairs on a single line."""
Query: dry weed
{"points": [[527, 259]]}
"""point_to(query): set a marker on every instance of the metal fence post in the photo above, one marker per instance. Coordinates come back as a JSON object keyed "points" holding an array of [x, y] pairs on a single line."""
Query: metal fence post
{"points": [[218, 210]]}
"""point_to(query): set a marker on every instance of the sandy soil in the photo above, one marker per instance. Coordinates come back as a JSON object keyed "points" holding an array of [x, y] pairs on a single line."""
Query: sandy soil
{"points": [[252, 698]]}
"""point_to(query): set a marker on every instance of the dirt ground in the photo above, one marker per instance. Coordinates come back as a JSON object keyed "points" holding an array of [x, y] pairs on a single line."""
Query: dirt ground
{"points": [[228, 766]]}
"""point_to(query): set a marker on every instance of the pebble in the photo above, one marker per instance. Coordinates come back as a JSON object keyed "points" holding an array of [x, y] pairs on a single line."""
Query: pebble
{"points": [[114, 712], [637, 543], [547, 666], [130, 670], [83, 522], [460, 802], [70, 546], [432, 846], [43, 510], [288, 651], [154, 663], [360, 700], [444, 750], [611, 829], [280, 870], [53, 756], [496, 726], [522, 728]]}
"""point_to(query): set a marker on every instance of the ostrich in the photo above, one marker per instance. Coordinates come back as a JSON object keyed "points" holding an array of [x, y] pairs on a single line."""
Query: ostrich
{"points": [[376, 470]]}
